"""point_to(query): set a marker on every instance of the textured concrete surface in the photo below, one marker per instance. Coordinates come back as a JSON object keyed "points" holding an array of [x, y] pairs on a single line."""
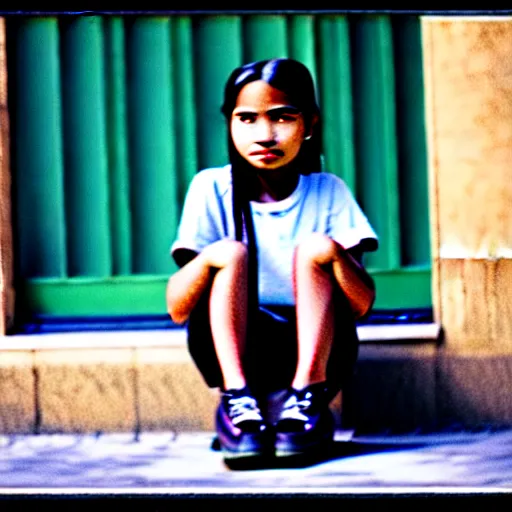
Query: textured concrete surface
{"points": [[171, 394], [17, 392], [474, 390], [127, 388], [186, 463], [86, 390], [145, 381], [394, 388]]}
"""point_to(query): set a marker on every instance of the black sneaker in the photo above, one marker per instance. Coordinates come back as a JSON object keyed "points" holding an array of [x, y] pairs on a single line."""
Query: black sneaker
{"points": [[305, 424], [241, 429]]}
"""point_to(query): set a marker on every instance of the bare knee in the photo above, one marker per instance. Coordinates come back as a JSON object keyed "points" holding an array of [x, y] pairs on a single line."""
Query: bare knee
{"points": [[225, 253], [186, 286], [315, 248]]}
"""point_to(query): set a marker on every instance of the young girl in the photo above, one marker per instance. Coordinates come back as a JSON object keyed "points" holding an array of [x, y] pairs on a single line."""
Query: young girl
{"points": [[270, 279]]}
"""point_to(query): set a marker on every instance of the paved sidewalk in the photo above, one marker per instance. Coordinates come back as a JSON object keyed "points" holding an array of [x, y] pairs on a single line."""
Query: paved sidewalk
{"points": [[165, 463]]}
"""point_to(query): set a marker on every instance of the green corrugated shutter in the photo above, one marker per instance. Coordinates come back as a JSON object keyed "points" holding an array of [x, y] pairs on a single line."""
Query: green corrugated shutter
{"points": [[112, 116]]}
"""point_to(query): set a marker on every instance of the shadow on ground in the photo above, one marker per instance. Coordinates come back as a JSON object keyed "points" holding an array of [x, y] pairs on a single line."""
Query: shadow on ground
{"points": [[336, 451]]}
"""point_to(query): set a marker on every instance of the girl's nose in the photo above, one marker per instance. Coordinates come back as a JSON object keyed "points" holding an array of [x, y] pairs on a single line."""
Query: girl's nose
{"points": [[264, 131]]}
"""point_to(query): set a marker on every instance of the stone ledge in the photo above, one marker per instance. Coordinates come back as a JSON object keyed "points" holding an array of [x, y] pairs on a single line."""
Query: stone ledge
{"points": [[134, 380], [396, 386], [418, 333], [85, 391]]}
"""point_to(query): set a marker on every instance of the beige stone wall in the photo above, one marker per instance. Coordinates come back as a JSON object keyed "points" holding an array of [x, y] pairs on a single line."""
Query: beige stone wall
{"points": [[6, 286], [468, 83]]}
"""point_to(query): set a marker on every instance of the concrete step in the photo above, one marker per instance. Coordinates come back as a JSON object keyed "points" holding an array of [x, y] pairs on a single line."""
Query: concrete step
{"points": [[101, 382], [140, 381]]}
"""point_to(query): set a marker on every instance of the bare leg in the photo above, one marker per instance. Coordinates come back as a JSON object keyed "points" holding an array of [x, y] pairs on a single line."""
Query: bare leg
{"points": [[228, 301], [320, 265], [228, 317], [313, 287]]}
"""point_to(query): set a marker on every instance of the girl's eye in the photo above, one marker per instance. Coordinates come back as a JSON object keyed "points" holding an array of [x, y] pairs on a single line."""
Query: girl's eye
{"points": [[284, 118], [246, 118]]}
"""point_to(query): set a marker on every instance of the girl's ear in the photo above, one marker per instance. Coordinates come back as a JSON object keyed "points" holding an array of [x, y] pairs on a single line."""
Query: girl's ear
{"points": [[314, 120]]}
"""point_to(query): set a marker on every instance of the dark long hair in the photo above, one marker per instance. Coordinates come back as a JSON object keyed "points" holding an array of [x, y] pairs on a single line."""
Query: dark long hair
{"points": [[294, 79]]}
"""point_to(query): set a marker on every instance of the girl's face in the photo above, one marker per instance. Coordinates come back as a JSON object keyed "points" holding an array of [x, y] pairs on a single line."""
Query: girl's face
{"points": [[266, 130]]}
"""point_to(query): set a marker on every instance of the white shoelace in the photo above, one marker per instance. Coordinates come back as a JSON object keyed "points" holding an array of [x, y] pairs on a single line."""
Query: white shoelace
{"points": [[244, 409], [292, 409]]}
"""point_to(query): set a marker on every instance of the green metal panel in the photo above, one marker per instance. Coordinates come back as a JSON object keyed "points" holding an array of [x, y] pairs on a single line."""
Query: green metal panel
{"points": [[37, 145], [412, 151], [376, 144], [336, 97], [87, 198], [408, 287], [153, 156], [141, 110], [302, 41], [120, 219], [144, 294], [85, 296], [265, 37], [184, 101], [217, 51]]}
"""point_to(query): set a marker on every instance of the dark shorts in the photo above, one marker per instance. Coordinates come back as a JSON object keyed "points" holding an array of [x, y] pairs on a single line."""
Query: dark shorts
{"points": [[270, 357]]}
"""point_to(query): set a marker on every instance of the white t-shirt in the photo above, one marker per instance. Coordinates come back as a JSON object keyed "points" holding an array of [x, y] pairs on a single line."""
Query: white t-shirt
{"points": [[321, 203]]}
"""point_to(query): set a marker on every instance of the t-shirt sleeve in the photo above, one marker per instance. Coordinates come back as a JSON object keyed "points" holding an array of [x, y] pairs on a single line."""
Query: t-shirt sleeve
{"points": [[348, 224], [198, 227]]}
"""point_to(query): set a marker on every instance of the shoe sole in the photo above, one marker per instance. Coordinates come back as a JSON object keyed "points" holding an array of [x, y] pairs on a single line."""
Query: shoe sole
{"points": [[317, 440], [250, 447], [229, 455], [313, 450], [288, 447]]}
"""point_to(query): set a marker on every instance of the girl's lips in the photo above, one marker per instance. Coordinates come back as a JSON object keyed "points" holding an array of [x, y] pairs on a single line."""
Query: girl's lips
{"points": [[268, 153], [267, 157]]}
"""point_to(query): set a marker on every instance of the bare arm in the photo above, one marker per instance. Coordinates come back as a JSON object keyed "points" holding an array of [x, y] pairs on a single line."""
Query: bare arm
{"points": [[185, 287], [354, 280]]}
